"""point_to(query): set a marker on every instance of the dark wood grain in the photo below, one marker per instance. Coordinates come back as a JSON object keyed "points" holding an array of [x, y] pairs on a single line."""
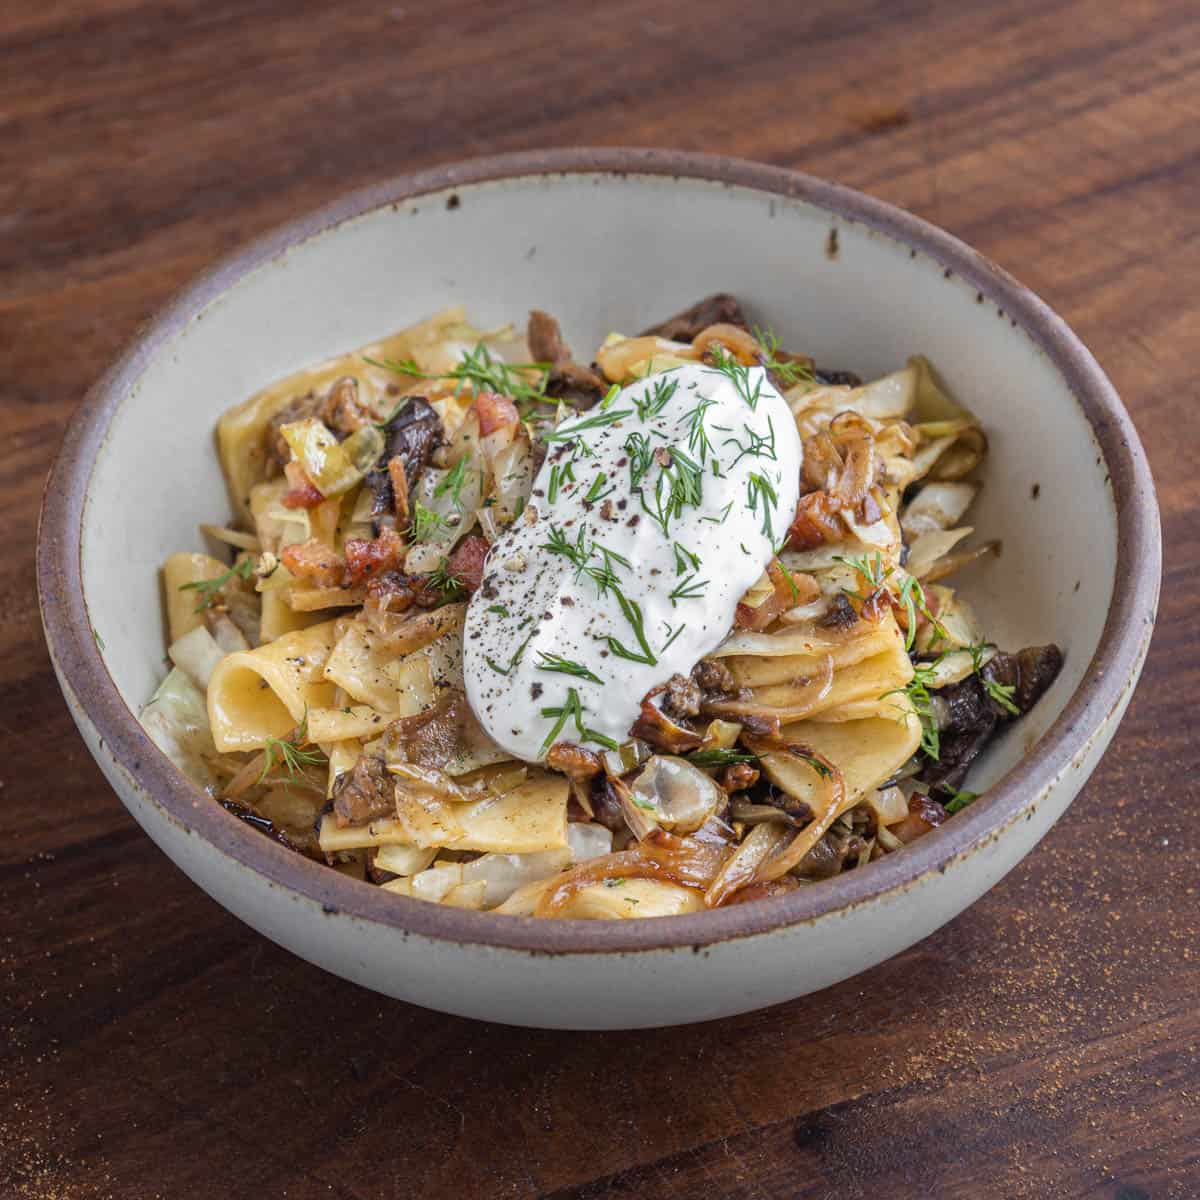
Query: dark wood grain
{"points": [[1047, 1043]]}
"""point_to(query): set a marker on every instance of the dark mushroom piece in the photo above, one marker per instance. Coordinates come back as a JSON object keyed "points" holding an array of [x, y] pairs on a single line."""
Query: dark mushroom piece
{"points": [[718, 309], [412, 434], [568, 380]]}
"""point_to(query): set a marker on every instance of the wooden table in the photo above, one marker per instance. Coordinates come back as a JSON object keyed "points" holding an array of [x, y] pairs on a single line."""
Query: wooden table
{"points": [[1044, 1044]]}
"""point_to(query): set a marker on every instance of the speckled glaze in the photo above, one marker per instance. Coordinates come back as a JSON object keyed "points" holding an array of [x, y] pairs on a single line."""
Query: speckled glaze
{"points": [[613, 239]]}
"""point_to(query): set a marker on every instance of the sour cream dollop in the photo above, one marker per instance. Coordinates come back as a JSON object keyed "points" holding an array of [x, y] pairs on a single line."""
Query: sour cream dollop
{"points": [[648, 521]]}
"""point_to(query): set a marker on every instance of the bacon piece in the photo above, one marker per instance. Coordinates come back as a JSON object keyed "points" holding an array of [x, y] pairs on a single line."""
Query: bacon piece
{"points": [[314, 562], [466, 561], [366, 559], [301, 492], [781, 599], [815, 523]]}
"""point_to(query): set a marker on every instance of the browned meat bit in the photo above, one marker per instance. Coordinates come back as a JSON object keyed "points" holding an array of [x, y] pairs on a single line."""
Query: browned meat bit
{"points": [[395, 592], [840, 615], [432, 738], [715, 679], [299, 408], [342, 410], [815, 523], [364, 793], [366, 559], [682, 698], [924, 814], [830, 855], [657, 728], [573, 761], [466, 561], [739, 777], [314, 562], [568, 380], [718, 309]]}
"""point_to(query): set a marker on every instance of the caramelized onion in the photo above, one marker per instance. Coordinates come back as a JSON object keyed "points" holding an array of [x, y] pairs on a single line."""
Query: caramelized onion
{"points": [[687, 861]]}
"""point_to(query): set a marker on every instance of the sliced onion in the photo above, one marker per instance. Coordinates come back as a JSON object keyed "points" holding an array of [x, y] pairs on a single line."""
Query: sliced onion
{"points": [[588, 840], [502, 874], [679, 796], [196, 654]]}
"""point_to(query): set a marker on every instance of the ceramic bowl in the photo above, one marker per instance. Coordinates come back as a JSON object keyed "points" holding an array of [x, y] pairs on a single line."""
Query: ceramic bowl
{"points": [[612, 239]]}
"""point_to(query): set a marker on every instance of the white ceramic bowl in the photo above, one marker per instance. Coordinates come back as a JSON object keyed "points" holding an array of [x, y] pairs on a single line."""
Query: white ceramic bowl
{"points": [[612, 239]]}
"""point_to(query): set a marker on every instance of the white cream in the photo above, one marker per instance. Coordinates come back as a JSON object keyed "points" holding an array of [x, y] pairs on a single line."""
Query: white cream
{"points": [[537, 607]]}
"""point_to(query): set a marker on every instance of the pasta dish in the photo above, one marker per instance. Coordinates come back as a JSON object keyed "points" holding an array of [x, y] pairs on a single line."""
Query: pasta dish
{"points": [[663, 631]]}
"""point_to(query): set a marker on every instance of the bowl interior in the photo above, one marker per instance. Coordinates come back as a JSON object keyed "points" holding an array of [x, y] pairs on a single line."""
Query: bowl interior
{"points": [[615, 252]]}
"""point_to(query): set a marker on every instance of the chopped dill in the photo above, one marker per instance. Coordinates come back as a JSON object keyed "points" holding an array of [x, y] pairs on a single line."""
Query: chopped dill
{"points": [[565, 666], [572, 710], [209, 589]]}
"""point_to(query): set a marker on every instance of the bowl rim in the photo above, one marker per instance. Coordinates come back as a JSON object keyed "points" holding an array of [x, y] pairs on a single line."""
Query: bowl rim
{"points": [[1099, 697]]}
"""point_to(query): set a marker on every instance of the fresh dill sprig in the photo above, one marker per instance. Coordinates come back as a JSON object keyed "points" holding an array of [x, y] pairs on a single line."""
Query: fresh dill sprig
{"points": [[813, 761], [698, 441], [572, 710], [721, 517], [453, 482], [679, 484], [577, 552], [632, 612], [641, 458], [1001, 693], [482, 371], [596, 421], [791, 582], [760, 490], [425, 524], [911, 595], [917, 691], [560, 473], [788, 373], [722, 361], [513, 662], [651, 403], [565, 666], [690, 588], [757, 444], [870, 569], [208, 589], [290, 753], [720, 758], [597, 491], [443, 580], [685, 559]]}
